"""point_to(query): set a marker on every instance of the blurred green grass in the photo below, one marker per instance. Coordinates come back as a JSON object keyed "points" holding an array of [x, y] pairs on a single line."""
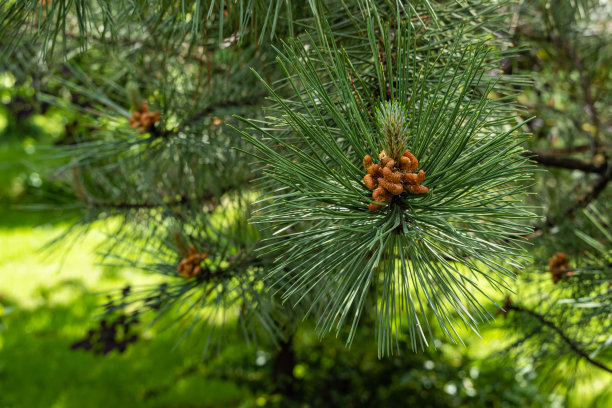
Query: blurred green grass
{"points": [[48, 299]]}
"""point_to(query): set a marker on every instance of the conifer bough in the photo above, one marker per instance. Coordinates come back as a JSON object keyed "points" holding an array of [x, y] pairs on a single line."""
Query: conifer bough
{"points": [[399, 77], [436, 254]]}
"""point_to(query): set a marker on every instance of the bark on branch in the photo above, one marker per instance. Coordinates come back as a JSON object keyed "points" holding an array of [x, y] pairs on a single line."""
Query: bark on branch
{"points": [[572, 345], [554, 160]]}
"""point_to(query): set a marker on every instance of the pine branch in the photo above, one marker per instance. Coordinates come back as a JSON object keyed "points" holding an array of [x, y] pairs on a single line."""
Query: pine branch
{"points": [[420, 253], [575, 347], [564, 151], [183, 201], [76, 21], [552, 159], [251, 100], [315, 146]]}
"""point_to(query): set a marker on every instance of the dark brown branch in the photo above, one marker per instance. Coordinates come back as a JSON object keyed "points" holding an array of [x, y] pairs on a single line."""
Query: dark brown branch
{"points": [[209, 199], [564, 151], [575, 347], [590, 195], [554, 160]]}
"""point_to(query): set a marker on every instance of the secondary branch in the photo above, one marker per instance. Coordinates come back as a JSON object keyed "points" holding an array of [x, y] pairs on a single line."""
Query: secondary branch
{"points": [[575, 347], [554, 160]]}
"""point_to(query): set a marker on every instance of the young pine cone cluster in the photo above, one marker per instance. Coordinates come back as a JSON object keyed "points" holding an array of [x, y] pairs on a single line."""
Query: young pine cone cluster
{"points": [[389, 178], [143, 119], [559, 266], [190, 265]]}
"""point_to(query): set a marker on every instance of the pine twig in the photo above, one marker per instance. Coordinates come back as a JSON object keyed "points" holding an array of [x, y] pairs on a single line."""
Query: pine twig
{"points": [[142, 205], [554, 160], [575, 347], [250, 101]]}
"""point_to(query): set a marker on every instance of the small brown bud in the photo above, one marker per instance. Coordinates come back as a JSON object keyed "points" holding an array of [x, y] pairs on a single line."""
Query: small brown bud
{"points": [[374, 207], [405, 163], [190, 266], [187, 268], [143, 119], [414, 162], [370, 182], [393, 188], [391, 176], [386, 180], [196, 270], [417, 189], [559, 266], [421, 177], [380, 195], [374, 170], [411, 178]]}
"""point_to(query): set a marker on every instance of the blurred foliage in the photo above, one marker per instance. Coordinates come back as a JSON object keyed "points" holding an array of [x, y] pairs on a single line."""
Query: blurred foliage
{"points": [[28, 126], [561, 325]]}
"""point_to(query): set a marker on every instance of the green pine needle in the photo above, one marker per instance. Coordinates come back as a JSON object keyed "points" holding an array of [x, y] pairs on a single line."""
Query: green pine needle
{"points": [[423, 254]]}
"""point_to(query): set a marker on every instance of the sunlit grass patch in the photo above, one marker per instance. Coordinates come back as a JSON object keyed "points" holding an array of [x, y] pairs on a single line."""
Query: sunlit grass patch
{"points": [[31, 276], [48, 301]]}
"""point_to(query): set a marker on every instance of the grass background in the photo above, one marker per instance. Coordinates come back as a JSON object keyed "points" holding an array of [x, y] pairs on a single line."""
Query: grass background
{"points": [[48, 299]]}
